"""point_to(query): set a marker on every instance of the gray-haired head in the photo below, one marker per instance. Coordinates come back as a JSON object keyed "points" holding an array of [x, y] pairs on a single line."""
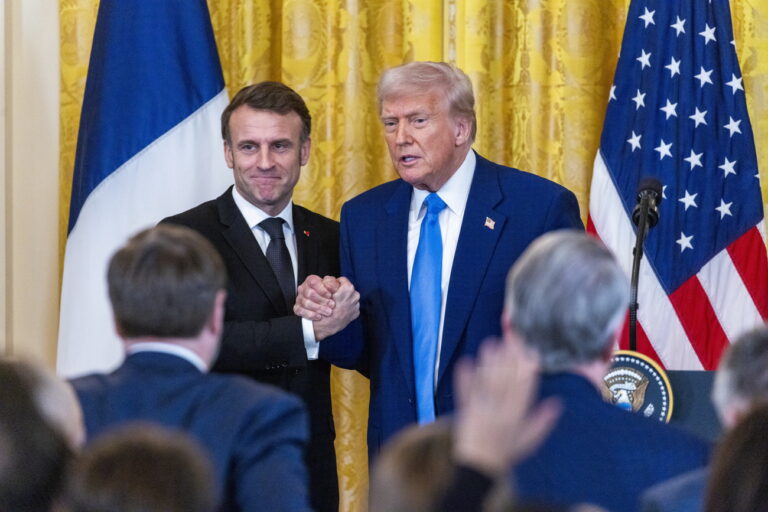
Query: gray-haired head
{"points": [[416, 77], [567, 296], [741, 380]]}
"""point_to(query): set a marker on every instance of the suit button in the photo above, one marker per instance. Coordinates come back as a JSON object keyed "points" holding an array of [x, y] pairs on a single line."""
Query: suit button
{"points": [[296, 371], [410, 400]]}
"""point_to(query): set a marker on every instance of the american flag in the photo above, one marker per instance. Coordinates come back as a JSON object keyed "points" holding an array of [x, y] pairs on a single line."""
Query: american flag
{"points": [[677, 112]]}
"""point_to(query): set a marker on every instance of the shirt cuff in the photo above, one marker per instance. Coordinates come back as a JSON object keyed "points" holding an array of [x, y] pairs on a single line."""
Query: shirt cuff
{"points": [[310, 344]]}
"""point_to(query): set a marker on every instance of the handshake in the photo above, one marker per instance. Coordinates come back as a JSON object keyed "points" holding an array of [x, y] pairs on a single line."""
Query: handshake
{"points": [[330, 302]]}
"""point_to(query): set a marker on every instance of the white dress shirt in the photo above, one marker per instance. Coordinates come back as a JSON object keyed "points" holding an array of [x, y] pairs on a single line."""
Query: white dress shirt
{"points": [[454, 194], [168, 348], [253, 216]]}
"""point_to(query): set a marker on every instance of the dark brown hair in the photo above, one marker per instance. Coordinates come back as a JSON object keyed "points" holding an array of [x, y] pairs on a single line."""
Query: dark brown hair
{"points": [[163, 283], [142, 468], [271, 96], [739, 477]]}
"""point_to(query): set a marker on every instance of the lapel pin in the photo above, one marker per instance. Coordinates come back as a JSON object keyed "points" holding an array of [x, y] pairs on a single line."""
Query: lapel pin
{"points": [[306, 233], [489, 223]]}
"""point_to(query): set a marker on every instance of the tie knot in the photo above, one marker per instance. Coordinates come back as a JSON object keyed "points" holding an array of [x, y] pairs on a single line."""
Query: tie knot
{"points": [[273, 226], [433, 203]]}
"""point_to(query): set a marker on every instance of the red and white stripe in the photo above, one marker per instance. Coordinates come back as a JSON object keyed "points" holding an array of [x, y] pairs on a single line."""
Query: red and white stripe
{"points": [[688, 329]]}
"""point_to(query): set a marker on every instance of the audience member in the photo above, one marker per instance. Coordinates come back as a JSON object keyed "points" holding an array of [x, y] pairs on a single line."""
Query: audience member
{"points": [[739, 479], [166, 286], [741, 382], [141, 468], [33, 453], [567, 298]]}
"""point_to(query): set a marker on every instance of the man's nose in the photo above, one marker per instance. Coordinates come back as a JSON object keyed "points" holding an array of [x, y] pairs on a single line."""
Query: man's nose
{"points": [[403, 134], [264, 159]]}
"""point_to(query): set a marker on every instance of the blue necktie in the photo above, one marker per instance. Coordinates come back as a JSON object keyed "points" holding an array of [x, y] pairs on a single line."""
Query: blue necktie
{"points": [[426, 296]]}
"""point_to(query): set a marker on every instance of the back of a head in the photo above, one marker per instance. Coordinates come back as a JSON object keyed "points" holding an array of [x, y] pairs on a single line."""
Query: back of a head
{"points": [[163, 283], [738, 480], [566, 296], [33, 453], [142, 468], [413, 470], [742, 376]]}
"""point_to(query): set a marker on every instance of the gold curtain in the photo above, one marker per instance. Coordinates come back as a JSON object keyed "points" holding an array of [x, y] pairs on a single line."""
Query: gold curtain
{"points": [[541, 69]]}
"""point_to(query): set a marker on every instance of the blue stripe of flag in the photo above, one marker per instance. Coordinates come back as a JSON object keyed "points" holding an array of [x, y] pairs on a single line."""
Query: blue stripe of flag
{"points": [[153, 63]]}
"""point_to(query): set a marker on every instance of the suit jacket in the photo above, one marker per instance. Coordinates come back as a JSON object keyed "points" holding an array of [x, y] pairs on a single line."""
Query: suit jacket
{"points": [[254, 434], [262, 337], [684, 493], [506, 209], [600, 454]]}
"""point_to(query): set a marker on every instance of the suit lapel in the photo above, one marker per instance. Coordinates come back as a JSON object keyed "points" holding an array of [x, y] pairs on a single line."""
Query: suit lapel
{"points": [[480, 232], [307, 247], [240, 238], [392, 264]]}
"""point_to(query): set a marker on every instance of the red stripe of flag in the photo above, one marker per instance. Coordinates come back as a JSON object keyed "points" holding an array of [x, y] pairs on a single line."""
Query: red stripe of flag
{"points": [[700, 322], [748, 255]]}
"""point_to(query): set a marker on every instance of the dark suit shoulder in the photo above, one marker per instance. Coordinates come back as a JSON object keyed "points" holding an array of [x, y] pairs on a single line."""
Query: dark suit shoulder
{"points": [[377, 195], [201, 215], [314, 218], [513, 178]]}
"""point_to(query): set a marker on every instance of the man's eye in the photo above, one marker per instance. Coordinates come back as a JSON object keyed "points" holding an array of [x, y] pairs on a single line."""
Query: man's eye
{"points": [[389, 125], [247, 147], [419, 120]]}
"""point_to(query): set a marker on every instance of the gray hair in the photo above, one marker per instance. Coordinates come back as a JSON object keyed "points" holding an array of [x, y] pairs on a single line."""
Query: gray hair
{"points": [[742, 375], [567, 296], [420, 76]]}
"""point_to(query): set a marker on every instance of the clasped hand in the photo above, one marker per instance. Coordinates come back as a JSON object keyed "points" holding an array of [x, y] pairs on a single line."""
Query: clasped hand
{"points": [[330, 302]]}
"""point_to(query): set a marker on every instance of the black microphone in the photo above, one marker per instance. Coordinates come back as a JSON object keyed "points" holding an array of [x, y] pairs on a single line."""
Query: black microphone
{"points": [[648, 198]]}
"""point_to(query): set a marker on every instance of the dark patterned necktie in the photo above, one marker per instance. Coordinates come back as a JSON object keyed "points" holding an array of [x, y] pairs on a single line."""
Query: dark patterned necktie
{"points": [[279, 258]]}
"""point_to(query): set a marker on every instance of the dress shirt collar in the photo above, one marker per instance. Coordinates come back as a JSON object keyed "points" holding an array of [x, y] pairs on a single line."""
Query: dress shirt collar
{"points": [[253, 215], [454, 192], [169, 348]]}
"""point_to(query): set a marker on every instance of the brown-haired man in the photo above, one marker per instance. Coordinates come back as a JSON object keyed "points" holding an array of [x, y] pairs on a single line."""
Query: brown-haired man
{"points": [[266, 132]]}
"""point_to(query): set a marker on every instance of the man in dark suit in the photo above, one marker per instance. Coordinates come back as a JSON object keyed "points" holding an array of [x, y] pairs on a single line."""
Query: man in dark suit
{"points": [[741, 383], [567, 299], [167, 292], [267, 243], [431, 290]]}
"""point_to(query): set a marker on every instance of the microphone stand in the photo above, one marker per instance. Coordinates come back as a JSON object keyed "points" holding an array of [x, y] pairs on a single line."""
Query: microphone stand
{"points": [[642, 231]]}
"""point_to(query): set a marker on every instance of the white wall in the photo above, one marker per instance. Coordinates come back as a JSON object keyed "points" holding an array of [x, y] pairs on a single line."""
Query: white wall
{"points": [[29, 203]]}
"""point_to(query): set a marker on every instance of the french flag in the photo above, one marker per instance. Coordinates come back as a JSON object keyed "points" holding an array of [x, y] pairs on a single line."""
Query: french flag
{"points": [[149, 146]]}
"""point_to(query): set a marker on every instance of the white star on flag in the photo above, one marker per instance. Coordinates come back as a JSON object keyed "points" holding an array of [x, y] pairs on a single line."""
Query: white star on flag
{"points": [[694, 159], [634, 140], [688, 200], [679, 26], [684, 242], [663, 149], [612, 95], [647, 17], [708, 34], [639, 99], [670, 109], [733, 126], [727, 167], [703, 76], [735, 84], [644, 59], [724, 208], [673, 67], [698, 117]]}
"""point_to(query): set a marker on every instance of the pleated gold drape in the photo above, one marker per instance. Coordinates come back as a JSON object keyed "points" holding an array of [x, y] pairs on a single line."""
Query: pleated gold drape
{"points": [[541, 69]]}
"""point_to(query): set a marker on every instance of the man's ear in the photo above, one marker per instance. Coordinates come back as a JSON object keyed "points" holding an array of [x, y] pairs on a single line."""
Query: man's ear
{"points": [[228, 156], [304, 151], [462, 127], [216, 320]]}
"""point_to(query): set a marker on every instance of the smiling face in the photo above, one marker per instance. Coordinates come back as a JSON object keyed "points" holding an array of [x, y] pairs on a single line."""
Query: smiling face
{"points": [[426, 142], [266, 155]]}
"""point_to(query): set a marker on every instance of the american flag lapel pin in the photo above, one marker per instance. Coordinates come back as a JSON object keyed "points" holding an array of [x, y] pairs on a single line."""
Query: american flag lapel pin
{"points": [[489, 223]]}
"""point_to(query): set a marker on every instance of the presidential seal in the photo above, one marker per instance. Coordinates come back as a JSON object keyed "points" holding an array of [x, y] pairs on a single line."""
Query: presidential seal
{"points": [[637, 383]]}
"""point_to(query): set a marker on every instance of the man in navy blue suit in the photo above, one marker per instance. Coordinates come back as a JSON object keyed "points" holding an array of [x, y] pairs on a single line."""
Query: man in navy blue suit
{"points": [[409, 336], [567, 299], [167, 288]]}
